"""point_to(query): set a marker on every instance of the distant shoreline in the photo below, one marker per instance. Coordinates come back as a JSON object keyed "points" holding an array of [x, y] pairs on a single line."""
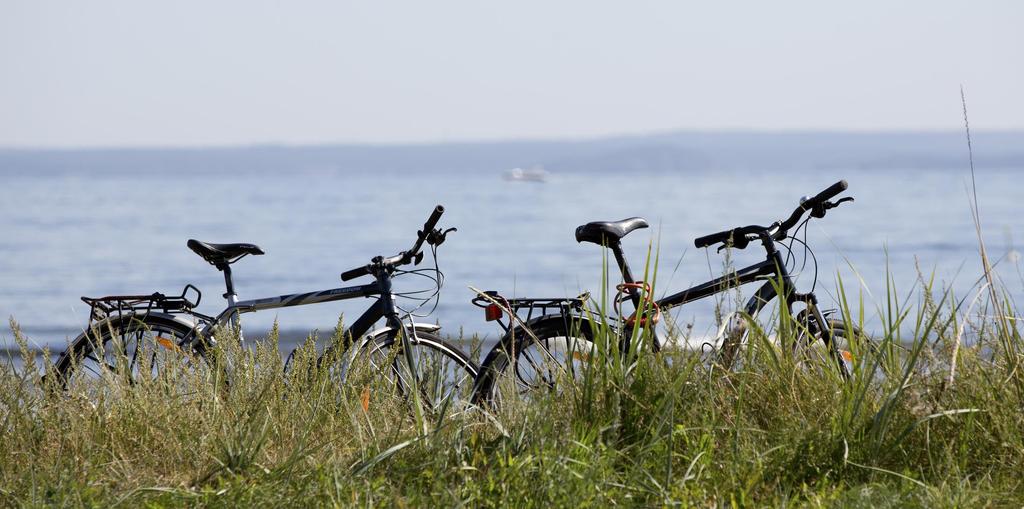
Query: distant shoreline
{"points": [[665, 151]]}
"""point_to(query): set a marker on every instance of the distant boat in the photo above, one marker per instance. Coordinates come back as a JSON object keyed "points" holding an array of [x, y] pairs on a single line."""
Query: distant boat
{"points": [[534, 174]]}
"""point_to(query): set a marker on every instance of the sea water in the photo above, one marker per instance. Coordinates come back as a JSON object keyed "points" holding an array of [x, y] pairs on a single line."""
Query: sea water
{"points": [[70, 233]]}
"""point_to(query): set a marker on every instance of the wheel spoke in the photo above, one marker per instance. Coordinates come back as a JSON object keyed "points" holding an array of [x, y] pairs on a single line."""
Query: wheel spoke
{"points": [[123, 345], [439, 373]]}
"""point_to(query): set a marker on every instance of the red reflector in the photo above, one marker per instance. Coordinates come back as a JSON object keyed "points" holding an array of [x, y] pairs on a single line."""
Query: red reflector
{"points": [[492, 312]]}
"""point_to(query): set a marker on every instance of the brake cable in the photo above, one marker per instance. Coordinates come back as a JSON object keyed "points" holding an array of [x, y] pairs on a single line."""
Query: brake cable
{"points": [[435, 294]]}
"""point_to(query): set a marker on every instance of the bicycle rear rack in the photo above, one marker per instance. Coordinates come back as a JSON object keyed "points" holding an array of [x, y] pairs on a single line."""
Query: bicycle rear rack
{"points": [[116, 306], [495, 306]]}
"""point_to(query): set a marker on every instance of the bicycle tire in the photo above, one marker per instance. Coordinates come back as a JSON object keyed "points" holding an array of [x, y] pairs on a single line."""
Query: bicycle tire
{"points": [[802, 348], [543, 351], [120, 341], [853, 344], [445, 375]]}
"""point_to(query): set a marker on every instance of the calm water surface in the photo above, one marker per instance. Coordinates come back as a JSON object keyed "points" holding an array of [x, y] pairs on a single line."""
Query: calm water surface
{"points": [[70, 235]]}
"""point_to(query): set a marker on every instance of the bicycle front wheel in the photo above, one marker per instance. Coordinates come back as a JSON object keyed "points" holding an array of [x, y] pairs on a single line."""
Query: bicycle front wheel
{"points": [[443, 375], [808, 346], [854, 350]]}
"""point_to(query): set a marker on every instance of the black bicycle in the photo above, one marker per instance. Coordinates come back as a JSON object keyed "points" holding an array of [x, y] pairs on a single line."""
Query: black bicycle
{"points": [[133, 335], [556, 336]]}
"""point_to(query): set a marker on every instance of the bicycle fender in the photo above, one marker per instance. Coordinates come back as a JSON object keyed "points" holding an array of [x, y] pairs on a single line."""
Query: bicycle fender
{"points": [[582, 321], [422, 327], [179, 319], [540, 321]]}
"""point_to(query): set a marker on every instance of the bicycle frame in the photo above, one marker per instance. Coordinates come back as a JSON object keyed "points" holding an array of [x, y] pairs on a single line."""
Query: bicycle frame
{"points": [[777, 282], [384, 307], [772, 271]]}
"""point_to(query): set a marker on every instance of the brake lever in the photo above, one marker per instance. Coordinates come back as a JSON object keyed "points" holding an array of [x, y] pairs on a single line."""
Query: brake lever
{"points": [[819, 211], [437, 237]]}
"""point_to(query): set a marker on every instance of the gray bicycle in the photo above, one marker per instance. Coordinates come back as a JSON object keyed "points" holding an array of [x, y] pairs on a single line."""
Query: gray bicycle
{"points": [[133, 335]]}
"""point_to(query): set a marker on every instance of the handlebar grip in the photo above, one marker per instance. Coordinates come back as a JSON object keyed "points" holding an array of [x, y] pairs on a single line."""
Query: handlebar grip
{"points": [[428, 227], [714, 238], [356, 272], [833, 190], [435, 216]]}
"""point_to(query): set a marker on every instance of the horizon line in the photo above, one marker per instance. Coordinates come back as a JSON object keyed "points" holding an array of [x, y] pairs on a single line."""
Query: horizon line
{"points": [[492, 141]]}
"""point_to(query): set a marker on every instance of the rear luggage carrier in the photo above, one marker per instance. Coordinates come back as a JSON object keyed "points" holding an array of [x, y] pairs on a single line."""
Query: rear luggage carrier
{"points": [[118, 306], [495, 306]]}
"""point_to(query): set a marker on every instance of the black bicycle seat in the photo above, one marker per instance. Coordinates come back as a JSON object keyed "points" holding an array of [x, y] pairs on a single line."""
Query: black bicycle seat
{"points": [[222, 253], [603, 232]]}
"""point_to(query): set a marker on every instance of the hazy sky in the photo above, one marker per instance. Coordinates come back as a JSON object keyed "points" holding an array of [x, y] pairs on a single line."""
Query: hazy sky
{"points": [[103, 73]]}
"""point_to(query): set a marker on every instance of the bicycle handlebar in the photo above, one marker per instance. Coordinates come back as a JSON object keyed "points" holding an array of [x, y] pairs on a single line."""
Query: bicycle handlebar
{"points": [[402, 258], [428, 227], [817, 204], [725, 236], [357, 272], [832, 191]]}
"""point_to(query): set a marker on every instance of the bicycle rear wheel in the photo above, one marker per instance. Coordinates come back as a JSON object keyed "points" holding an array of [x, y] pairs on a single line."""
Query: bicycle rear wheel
{"points": [[132, 348], [525, 363]]}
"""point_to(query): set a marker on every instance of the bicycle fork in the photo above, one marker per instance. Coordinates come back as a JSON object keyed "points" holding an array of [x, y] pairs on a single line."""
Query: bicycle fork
{"points": [[399, 327], [821, 326], [815, 324]]}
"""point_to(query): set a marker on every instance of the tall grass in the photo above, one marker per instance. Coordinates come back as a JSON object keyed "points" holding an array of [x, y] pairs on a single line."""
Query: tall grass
{"points": [[638, 429]]}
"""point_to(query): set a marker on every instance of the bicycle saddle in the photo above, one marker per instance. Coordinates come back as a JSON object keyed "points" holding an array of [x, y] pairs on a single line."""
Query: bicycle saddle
{"points": [[218, 254], [604, 232]]}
